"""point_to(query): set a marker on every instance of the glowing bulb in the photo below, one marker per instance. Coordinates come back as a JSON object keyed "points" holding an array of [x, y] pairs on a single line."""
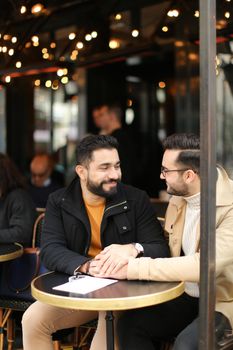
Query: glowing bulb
{"points": [[37, 8], [135, 33], [7, 79], [35, 39], [60, 72], [11, 52], [44, 50], [48, 83], [53, 45], [72, 36], [79, 45], [88, 37], [6, 37], [114, 44], [227, 14], [23, 9], [64, 80], [94, 34], [4, 49], [196, 13], [46, 55], [165, 29], [118, 17], [162, 84], [14, 39], [37, 82], [18, 64]]}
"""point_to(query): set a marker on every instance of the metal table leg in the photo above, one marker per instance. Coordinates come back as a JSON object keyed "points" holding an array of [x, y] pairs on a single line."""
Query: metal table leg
{"points": [[110, 330]]}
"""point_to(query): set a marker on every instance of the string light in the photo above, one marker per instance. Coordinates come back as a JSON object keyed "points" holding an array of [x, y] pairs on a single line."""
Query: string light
{"points": [[44, 50], [8, 79], [64, 80], [165, 29], [37, 82], [37, 8], [88, 37], [46, 55], [48, 83], [18, 64], [60, 72], [118, 17], [227, 14], [135, 33], [162, 84], [94, 34], [114, 44], [79, 45], [6, 37], [14, 39], [173, 13], [72, 36], [11, 52], [197, 13], [23, 9], [53, 45], [4, 49], [35, 38]]}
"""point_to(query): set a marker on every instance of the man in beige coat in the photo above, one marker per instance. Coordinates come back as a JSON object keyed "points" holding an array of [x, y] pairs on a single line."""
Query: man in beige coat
{"points": [[144, 328]]}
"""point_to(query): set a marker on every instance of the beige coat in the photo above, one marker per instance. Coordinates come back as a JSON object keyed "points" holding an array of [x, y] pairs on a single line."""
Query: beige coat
{"points": [[187, 268]]}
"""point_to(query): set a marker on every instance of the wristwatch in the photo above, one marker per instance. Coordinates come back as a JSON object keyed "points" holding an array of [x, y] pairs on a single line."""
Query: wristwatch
{"points": [[139, 248]]}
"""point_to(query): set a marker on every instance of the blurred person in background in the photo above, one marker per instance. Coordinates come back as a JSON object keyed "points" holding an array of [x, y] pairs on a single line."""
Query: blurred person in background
{"points": [[17, 211], [108, 119], [43, 179]]}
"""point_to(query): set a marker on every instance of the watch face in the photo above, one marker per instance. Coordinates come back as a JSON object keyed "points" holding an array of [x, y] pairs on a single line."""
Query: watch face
{"points": [[139, 249]]}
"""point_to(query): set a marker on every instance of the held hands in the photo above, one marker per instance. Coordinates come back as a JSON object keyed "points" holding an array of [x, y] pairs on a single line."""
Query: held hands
{"points": [[113, 261]]}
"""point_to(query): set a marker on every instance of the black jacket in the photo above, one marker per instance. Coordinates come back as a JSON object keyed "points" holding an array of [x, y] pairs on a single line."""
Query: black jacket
{"points": [[128, 217], [17, 215]]}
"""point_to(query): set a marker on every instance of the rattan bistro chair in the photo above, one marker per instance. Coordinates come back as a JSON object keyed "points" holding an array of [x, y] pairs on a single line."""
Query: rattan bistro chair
{"points": [[10, 304]]}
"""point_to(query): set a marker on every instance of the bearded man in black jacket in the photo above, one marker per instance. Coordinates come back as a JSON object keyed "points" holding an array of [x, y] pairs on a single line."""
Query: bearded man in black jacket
{"points": [[96, 215]]}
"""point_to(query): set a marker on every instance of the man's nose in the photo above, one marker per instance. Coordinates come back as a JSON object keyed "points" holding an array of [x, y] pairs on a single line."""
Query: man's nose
{"points": [[114, 173], [162, 177]]}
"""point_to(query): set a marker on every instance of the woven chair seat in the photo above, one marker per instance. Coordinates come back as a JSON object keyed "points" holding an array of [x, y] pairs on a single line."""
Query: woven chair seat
{"points": [[15, 304]]}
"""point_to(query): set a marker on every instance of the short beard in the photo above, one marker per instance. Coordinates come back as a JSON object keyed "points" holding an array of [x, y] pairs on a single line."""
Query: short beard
{"points": [[99, 191]]}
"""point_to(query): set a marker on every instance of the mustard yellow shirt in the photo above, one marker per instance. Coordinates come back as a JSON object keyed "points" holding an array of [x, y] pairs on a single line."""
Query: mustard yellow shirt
{"points": [[95, 214]]}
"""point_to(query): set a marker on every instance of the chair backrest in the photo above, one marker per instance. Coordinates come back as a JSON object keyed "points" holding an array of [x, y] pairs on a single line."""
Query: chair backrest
{"points": [[37, 229]]}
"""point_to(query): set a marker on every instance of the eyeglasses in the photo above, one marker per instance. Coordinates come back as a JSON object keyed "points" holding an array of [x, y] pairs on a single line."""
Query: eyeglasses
{"points": [[164, 171]]}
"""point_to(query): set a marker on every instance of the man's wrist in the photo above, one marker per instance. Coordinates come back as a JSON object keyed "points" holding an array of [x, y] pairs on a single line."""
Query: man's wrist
{"points": [[139, 249]]}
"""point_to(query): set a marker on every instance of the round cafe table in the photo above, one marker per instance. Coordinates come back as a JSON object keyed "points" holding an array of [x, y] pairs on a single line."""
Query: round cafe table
{"points": [[10, 251], [122, 295]]}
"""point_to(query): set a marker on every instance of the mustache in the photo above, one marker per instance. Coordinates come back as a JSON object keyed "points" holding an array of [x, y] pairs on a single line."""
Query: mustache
{"points": [[111, 181]]}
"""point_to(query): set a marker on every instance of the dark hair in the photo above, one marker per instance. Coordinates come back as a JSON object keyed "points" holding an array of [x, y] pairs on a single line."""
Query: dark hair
{"points": [[189, 145], [91, 143], [10, 177]]}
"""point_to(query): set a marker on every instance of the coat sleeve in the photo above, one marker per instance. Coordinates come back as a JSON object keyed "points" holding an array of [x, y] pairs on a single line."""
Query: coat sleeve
{"points": [[21, 215], [184, 268], [55, 254], [187, 268], [149, 231]]}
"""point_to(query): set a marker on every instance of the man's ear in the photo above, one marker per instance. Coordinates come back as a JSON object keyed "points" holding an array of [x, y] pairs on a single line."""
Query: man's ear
{"points": [[190, 175], [80, 171]]}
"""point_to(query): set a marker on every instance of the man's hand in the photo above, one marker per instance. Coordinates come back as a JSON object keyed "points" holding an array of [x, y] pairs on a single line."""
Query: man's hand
{"points": [[119, 272], [112, 259]]}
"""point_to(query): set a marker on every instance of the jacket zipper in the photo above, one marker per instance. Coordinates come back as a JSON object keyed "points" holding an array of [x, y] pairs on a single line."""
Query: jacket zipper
{"points": [[113, 206]]}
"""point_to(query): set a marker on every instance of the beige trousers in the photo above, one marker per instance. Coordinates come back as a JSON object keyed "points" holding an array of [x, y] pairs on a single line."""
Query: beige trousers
{"points": [[41, 320]]}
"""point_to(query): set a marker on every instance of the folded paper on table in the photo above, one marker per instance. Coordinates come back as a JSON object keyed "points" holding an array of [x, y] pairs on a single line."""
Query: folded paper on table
{"points": [[84, 284]]}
